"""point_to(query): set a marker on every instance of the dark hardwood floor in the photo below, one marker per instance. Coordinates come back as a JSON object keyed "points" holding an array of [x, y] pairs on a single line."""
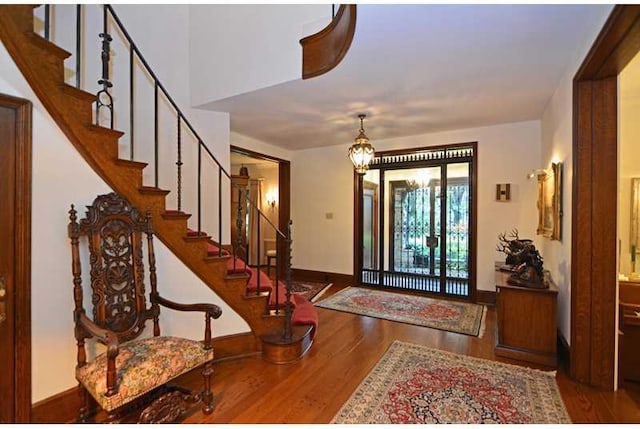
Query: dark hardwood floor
{"points": [[347, 346]]}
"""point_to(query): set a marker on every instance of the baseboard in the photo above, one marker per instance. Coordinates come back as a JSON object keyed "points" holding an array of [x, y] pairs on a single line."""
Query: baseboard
{"points": [[320, 276], [60, 408], [487, 297], [236, 345], [64, 406], [564, 351]]}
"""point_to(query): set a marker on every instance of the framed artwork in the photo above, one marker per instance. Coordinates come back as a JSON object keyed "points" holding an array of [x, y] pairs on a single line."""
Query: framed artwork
{"points": [[634, 240], [550, 202]]}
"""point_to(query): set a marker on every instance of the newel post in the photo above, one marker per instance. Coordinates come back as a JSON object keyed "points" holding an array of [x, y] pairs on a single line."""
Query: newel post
{"points": [[288, 310]]}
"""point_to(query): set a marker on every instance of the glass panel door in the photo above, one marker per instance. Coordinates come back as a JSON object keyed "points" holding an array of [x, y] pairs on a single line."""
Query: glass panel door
{"points": [[457, 229], [415, 224]]}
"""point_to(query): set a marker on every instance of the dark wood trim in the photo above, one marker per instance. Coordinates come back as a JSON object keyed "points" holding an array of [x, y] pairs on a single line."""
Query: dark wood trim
{"points": [[63, 407], [320, 276], [358, 183], [284, 208], [428, 148], [487, 297], [375, 223], [253, 154], [60, 408], [564, 350], [236, 345], [594, 236], [473, 233], [284, 194], [617, 43], [324, 50], [473, 187], [22, 273]]}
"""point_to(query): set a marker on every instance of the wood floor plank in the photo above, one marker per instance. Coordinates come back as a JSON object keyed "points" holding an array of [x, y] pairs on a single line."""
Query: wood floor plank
{"points": [[346, 348]]}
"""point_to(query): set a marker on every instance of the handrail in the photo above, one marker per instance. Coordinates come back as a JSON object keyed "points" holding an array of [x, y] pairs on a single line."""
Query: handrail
{"points": [[324, 50], [249, 203], [179, 113], [161, 86]]}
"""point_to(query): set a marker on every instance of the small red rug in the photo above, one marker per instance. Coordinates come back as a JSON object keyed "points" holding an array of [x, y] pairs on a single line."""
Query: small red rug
{"points": [[418, 385], [310, 290], [454, 316]]}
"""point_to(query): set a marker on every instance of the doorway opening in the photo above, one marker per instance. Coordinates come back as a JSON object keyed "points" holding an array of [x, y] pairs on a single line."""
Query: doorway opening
{"points": [[416, 221], [265, 179]]}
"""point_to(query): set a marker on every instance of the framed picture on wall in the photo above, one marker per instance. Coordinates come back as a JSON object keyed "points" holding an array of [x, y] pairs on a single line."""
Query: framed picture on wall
{"points": [[634, 241], [550, 202]]}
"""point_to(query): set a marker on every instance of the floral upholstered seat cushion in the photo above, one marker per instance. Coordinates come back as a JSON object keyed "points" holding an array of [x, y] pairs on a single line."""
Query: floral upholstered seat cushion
{"points": [[142, 365]]}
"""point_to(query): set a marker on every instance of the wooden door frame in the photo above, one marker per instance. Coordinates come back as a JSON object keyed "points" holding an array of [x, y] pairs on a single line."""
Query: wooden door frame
{"points": [[374, 219], [595, 193], [284, 194], [473, 188], [22, 279]]}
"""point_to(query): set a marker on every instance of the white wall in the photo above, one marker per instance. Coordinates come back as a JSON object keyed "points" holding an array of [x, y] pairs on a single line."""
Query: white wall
{"points": [[322, 182], [255, 145], [557, 141], [265, 49], [61, 177]]}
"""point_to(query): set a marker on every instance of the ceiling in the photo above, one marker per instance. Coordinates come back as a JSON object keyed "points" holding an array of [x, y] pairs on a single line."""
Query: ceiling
{"points": [[416, 69]]}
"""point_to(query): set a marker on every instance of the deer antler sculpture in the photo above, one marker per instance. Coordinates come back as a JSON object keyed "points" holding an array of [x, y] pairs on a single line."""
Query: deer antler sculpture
{"points": [[527, 262]]}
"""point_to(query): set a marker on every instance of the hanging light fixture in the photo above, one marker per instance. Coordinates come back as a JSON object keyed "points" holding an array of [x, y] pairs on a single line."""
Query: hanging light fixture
{"points": [[361, 152]]}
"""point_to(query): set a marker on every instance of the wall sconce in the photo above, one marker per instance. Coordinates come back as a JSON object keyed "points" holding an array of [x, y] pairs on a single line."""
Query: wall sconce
{"points": [[272, 199], [536, 172]]}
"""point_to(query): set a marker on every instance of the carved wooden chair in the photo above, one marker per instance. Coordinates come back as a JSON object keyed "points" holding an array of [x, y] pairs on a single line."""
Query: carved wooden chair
{"points": [[131, 367]]}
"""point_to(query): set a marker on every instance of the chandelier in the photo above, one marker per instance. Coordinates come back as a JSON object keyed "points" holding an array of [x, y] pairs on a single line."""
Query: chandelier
{"points": [[361, 152]]}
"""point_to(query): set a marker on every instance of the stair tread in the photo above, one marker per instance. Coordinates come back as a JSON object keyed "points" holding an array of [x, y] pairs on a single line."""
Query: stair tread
{"points": [[105, 130], [152, 190], [40, 41], [78, 93], [131, 163], [99, 146]]}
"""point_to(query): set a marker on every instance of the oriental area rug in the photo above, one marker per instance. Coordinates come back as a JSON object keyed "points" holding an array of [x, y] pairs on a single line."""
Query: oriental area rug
{"points": [[310, 290], [452, 316], [415, 384]]}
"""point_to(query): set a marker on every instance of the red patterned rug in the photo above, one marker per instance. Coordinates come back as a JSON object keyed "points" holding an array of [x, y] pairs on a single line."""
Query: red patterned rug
{"points": [[310, 290], [415, 384], [453, 316]]}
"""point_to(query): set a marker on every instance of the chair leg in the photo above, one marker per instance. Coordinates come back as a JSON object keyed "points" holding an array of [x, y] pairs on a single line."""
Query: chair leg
{"points": [[83, 413], [207, 395]]}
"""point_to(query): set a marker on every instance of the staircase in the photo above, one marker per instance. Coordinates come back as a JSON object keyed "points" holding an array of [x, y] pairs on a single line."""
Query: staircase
{"points": [[282, 325]]}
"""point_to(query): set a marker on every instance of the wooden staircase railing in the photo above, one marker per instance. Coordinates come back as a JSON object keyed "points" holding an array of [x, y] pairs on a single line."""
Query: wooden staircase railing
{"points": [[79, 114], [324, 50]]}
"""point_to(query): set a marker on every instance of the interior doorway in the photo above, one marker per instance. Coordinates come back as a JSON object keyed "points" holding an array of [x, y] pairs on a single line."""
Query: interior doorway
{"points": [[15, 260], [266, 180], [594, 241], [416, 217]]}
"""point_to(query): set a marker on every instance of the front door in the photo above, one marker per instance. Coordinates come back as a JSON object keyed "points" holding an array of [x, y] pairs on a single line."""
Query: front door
{"points": [[426, 219], [15, 185]]}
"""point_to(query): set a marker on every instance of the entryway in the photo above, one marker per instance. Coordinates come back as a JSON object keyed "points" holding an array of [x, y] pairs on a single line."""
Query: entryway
{"points": [[266, 180], [15, 260], [415, 216]]}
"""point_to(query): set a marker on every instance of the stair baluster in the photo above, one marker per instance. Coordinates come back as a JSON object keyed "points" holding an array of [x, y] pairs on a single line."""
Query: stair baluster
{"points": [[103, 97], [130, 182], [179, 163]]}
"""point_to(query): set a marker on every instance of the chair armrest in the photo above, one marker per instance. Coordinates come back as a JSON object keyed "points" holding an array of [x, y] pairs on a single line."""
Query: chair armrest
{"points": [[211, 309], [113, 348], [105, 335]]}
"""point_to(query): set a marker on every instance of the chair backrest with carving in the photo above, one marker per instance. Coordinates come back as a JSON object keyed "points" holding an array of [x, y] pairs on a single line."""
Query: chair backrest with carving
{"points": [[114, 233]]}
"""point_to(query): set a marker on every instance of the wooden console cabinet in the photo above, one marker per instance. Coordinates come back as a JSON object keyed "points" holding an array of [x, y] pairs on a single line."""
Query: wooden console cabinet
{"points": [[527, 328]]}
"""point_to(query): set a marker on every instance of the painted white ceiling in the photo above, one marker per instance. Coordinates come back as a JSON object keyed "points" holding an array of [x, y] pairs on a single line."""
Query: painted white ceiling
{"points": [[416, 69]]}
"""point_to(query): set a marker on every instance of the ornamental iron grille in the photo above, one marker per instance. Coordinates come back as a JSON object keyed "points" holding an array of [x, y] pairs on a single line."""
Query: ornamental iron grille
{"points": [[422, 220]]}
